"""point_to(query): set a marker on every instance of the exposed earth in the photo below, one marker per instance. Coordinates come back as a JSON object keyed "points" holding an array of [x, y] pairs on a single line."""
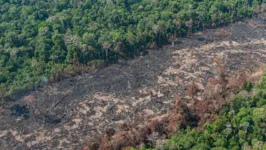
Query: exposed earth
{"points": [[66, 114]]}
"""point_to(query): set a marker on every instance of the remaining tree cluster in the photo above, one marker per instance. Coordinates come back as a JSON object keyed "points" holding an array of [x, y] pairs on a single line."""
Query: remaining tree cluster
{"points": [[240, 125]]}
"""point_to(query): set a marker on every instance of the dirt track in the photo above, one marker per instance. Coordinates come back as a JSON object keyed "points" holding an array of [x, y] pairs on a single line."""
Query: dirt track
{"points": [[66, 114]]}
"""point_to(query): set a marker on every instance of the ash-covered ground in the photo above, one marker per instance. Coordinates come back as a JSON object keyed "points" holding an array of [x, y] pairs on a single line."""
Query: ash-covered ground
{"points": [[66, 114]]}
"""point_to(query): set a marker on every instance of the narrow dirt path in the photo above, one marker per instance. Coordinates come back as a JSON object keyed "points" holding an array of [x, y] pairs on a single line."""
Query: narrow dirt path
{"points": [[65, 115]]}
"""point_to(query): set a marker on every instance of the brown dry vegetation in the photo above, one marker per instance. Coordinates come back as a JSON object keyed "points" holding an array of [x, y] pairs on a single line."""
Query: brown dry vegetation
{"points": [[182, 115]]}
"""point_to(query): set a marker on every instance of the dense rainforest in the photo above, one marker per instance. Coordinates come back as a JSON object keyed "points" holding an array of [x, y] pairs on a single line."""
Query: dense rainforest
{"points": [[240, 125], [41, 40]]}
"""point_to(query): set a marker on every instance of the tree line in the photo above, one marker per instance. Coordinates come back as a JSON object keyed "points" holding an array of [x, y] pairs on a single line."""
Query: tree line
{"points": [[40, 38]]}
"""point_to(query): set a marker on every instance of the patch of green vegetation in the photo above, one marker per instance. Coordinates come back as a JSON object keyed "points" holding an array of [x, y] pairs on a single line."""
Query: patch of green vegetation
{"points": [[248, 86], [240, 125], [38, 37]]}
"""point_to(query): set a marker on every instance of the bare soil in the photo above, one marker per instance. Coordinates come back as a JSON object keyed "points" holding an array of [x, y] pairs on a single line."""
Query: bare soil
{"points": [[66, 114]]}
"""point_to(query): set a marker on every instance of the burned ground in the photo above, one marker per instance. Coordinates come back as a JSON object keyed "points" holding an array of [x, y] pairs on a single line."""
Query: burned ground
{"points": [[66, 114]]}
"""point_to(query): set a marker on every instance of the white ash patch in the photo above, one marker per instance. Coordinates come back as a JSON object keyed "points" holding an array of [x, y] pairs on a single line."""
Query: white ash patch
{"points": [[142, 100], [148, 112], [122, 108], [105, 97]]}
